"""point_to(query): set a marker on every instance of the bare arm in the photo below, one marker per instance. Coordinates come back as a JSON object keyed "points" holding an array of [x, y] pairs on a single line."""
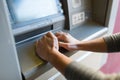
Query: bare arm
{"points": [[96, 45], [104, 44], [70, 43]]}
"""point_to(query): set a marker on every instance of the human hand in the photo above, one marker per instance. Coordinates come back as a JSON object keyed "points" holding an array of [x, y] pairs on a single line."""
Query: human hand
{"points": [[66, 37], [67, 41], [46, 46]]}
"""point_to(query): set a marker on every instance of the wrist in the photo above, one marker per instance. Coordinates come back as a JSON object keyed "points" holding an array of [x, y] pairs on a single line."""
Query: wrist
{"points": [[52, 55], [74, 46], [59, 57], [59, 60], [82, 46]]}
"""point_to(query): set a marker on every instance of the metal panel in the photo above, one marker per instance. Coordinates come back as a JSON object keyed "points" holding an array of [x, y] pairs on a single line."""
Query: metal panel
{"points": [[9, 65]]}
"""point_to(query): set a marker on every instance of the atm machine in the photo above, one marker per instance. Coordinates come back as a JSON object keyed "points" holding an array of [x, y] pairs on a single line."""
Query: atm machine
{"points": [[25, 21]]}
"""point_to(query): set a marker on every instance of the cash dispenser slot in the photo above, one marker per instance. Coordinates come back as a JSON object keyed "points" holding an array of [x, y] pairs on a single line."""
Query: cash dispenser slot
{"points": [[29, 35]]}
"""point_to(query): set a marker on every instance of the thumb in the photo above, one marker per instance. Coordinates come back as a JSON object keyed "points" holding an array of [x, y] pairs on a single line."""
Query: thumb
{"points": [[64, 45], [68, 46]]}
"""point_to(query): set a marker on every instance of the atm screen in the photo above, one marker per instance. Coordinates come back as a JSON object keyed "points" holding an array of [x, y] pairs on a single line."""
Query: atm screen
{"points": [[27, 10]]}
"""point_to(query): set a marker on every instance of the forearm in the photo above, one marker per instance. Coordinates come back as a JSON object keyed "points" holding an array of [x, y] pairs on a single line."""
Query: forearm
{"points": [[96, 45], [59, 61], [105, 44]]}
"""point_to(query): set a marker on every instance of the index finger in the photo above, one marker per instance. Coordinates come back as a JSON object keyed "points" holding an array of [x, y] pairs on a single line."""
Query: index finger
{"points": [[50, 34], [58, 33]]}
